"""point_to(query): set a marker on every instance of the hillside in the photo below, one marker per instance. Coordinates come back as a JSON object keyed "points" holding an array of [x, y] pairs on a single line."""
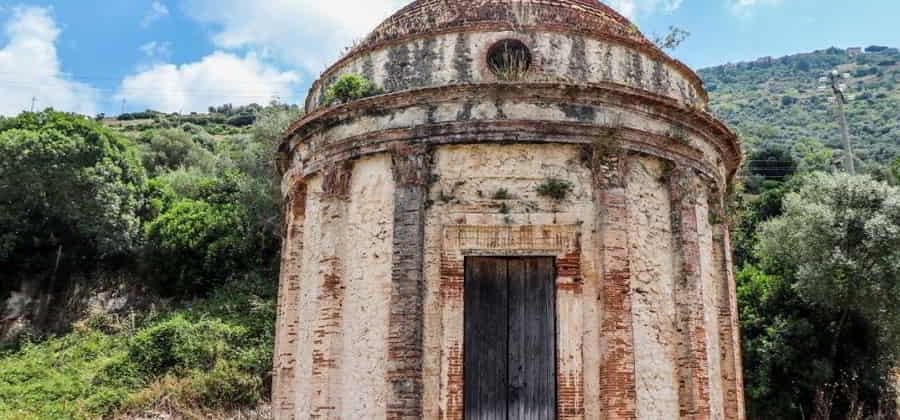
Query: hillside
{"points": [[155, 296], [777, 101]]}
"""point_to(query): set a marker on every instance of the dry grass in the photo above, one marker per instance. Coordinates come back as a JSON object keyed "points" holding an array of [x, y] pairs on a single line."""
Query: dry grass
{"points": [[510, 63], [175, 399]]}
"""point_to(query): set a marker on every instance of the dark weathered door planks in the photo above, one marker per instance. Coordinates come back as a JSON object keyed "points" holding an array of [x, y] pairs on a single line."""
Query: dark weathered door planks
{"points": [[532, 339], [486, 307], [524, 343]]}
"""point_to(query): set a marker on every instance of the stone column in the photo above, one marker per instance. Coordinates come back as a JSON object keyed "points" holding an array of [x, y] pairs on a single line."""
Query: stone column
{"points": [[693, 372], [411, 166], [617, 376], [284, 379], [327, 342]]}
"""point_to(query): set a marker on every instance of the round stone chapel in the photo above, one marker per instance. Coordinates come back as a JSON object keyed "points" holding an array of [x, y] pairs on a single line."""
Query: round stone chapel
{"points": [[525, 222]]}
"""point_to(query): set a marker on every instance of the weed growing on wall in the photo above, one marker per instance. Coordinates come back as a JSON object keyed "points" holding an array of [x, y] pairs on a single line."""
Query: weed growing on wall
{"points": [[554, 188]]}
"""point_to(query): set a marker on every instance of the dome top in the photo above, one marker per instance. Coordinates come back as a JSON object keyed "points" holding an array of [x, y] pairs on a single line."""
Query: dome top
{"points": [[435, 16]]}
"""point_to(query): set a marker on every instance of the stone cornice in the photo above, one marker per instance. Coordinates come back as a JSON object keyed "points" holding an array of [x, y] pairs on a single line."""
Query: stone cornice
{"points": [[602, 95]]}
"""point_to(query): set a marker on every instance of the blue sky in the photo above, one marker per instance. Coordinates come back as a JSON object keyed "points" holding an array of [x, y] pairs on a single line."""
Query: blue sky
{"points": [[93, 56]]}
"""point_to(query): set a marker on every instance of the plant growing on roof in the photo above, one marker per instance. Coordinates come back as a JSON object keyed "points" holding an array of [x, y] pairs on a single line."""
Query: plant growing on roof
{"points": [[350, 87]]}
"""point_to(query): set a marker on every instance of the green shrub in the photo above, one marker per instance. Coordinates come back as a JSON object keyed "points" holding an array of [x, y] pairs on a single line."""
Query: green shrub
{"points": [[195, 245], [349, 87], [63, 378], [895, 171], [502, 194], [554, 188], [181, 344], [165, 150]]}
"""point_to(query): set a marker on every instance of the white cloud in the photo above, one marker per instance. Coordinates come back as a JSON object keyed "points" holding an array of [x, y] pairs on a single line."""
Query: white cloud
{"points": [[158, 11], [746, 7], [632, 8], [217, 79], [30, 67], [305, 33], [156, 51]]}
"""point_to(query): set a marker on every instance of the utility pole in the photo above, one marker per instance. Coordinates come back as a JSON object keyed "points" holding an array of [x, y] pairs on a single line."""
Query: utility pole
{"points": [[841, 100], [33, 101]]}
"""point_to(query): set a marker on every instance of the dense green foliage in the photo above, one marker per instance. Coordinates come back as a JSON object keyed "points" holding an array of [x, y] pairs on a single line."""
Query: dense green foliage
{"points": [[817, 296], [349, 87], [778, 102], [70, 191], [816, 254], [205, 224], [839, 240], [165, 150]]}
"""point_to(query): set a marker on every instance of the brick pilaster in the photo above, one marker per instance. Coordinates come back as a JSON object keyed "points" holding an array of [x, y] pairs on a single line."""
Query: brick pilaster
{"points": [[284, 385], [725, 317], [411, 168], [327, 343], [570, 366], [692, 362], [734, 408], [617, 375]]}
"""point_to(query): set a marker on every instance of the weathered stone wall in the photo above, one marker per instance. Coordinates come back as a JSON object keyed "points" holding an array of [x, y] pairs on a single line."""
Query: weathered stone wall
{"points": [[344, 294], [647, 340], [465, 195], [459, 58], [653, 286]]}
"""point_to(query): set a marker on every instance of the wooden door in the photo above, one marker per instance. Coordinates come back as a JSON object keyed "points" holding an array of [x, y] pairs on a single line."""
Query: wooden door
{"points": [[510, 339]]}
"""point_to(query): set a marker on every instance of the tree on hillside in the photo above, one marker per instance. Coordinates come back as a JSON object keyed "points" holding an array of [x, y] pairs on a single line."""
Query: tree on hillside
{"points": [[70, 190], [770, 163], [895, 171], [811, 156], [165, 150], [839, 238], [205, 223], [837, 244]]}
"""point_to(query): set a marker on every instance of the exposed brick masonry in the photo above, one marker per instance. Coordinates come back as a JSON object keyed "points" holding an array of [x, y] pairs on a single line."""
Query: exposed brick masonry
{"points": [[617, 379], [286, 345], [405, 337], [729, 334], [327, 343], [693, 389]]}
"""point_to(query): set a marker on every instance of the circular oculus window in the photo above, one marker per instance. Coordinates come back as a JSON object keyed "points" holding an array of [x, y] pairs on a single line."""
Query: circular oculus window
{"points": [[509, 59]]}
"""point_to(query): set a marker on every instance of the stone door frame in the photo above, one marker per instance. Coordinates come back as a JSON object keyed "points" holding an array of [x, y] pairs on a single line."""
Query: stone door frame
{"points": [[561, 242]]}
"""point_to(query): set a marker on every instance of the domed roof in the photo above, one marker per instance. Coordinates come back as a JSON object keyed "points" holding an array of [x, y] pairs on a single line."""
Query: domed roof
{"points": [[434, 16]]}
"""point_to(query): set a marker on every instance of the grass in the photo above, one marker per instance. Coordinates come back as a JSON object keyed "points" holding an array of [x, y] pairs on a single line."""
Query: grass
{"points": [[210, 357]]}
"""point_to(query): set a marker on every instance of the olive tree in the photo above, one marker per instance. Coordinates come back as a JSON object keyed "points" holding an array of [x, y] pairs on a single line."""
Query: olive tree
{"points": [[838, 241]]}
